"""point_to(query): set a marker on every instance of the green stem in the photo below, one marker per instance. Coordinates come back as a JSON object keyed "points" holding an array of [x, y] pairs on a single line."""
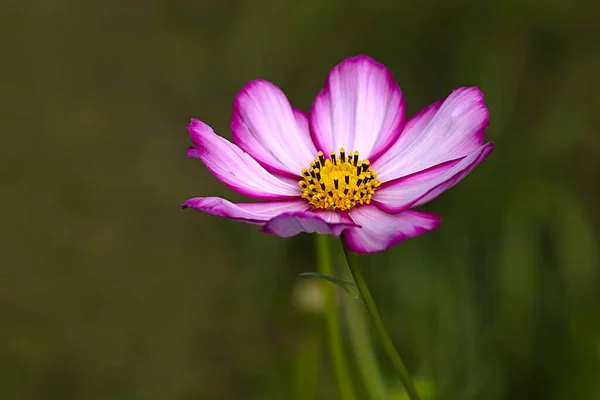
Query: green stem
{"points": [[363, 349], [386, 341], [338, 358]]}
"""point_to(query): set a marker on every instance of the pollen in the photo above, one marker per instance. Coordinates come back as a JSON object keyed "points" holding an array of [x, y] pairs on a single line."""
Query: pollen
{"points": [[339, 182]]}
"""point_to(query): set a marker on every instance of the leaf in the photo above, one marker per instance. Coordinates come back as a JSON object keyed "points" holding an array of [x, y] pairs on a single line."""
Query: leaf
{"points": [[349, 287], [425, 387]]}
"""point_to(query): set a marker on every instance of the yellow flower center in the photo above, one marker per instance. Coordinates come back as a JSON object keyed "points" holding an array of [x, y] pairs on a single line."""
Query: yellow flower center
{"points": [[338, 183]]}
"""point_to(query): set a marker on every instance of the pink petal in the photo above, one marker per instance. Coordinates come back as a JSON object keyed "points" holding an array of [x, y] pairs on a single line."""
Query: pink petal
{"points": [[361, 108], [423, 186], [265, 125], [235, 168], [444, 131], [381, 230], [322, 222], [252, 213]]}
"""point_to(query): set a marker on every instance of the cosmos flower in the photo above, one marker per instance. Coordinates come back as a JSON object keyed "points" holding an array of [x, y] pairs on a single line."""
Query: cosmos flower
{"points": [[352, 167]]}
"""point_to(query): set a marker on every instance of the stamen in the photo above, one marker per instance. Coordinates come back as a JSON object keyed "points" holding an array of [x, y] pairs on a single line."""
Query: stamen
{"points": [[365, 165], [338, 183], [321, 158]]}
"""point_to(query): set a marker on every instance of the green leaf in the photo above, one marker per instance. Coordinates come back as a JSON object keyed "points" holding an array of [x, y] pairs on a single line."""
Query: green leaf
{"points": [[425, 387], [349, 287]]}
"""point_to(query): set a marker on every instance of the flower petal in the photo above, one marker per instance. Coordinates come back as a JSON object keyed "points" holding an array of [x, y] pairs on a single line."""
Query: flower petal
{"points": [[360, 108], [322, 222], [423, 186], [252, 213], [381, 230], [444, 131], [265, 125], [235, 168]]}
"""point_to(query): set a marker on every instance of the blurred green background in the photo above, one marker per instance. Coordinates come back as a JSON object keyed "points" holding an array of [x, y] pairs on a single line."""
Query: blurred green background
{"points": [[109, 291]]}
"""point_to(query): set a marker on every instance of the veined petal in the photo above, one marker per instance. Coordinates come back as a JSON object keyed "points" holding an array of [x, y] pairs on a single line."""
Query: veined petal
{"points": [[444, 131], [265, 125], [381, 230], [319, 221], [360, 108], [252, 213], [237, 169], [423, 186]]}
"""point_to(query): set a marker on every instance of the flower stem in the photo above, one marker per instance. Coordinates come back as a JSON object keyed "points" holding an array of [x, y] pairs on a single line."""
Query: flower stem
{"points": [[338, 358], [386, 341], [362, 346]]}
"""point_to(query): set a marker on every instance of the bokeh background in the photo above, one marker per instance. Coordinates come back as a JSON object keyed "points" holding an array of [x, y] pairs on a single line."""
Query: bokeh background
{"points": [[109, 291]]}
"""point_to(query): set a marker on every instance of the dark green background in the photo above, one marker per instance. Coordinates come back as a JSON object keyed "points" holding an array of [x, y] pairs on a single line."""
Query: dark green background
{"points": [[109, 291]]}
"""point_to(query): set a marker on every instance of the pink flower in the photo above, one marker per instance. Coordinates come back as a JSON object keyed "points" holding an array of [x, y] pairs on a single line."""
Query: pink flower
{"points": [[352, 167]]}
